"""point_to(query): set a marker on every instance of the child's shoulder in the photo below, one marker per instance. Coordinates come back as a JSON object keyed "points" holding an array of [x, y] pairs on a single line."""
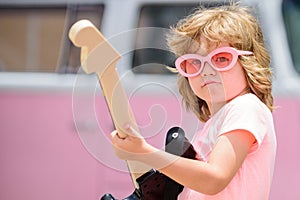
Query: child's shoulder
{"points": [[246, 99], [248, 103]]}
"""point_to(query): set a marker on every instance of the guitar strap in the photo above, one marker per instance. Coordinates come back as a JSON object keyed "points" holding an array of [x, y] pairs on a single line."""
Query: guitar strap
{"points": [[154, 185]]}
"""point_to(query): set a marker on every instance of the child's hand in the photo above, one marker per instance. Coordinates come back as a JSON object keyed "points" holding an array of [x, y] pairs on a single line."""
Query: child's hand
{"points": [[131, 147]]}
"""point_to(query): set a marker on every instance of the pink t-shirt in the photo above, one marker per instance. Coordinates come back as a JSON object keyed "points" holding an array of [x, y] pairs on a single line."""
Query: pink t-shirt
{"points": [[253, 179]]}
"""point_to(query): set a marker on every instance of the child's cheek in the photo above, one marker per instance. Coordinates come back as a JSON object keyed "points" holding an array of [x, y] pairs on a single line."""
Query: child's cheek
{"points": [[234, 85]]}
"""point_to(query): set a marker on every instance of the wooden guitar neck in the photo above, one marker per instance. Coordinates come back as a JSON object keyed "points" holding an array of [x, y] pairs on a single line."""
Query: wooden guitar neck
{"points": [[98, 56]]}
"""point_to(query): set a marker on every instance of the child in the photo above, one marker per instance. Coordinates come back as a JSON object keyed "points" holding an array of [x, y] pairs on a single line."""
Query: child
{"points": [[225, 79]]}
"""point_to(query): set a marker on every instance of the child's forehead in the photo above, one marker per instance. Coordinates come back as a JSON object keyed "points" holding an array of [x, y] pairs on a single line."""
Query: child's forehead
{"points": [[205, 46]]}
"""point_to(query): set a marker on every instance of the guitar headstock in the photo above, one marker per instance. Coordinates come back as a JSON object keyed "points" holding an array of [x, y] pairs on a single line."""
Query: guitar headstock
{"points": [[96, 53], [98, 56]]}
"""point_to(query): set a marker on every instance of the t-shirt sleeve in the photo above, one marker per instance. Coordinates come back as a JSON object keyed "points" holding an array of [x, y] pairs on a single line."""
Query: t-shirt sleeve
{"points": [[246, 115]]}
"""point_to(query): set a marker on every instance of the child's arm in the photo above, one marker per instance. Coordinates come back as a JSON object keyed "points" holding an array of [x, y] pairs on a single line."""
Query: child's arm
{"points": [[206, 177]]}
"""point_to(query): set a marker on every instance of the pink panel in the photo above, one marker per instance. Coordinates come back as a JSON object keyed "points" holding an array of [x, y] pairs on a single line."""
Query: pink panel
{"points": [[287, 125], [43, 157]]}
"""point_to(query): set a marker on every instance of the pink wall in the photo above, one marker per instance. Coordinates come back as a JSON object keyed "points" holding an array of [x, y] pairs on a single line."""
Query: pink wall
{"points": [[42, 155], [287, 125]]}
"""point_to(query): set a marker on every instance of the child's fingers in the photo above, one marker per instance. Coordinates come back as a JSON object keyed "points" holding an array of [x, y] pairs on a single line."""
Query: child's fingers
{"points": [[115, 138]]}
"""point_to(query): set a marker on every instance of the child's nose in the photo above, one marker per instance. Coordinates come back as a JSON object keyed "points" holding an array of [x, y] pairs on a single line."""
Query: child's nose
{"points": [[208, 70]]}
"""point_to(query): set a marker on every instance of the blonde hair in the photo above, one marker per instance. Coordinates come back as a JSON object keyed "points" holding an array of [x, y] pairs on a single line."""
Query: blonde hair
{"points": [[237, 26]]}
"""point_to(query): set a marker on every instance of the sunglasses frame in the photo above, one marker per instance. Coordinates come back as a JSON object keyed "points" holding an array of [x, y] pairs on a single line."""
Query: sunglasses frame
{"points": [[234, 52]]}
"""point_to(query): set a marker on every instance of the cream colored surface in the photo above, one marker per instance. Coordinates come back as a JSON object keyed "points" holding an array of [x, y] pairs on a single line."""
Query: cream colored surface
{"points": [[98, 56]]}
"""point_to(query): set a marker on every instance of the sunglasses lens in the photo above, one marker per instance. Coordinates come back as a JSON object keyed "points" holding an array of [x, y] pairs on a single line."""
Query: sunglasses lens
{"points": [[222, 60], [190, 66]]}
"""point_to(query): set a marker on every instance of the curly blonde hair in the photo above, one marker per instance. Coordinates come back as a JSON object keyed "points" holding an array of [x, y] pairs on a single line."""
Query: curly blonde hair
{"points": [[235, 25]]}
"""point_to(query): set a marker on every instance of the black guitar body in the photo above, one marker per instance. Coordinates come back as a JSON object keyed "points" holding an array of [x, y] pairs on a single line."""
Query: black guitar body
{"points": [[154, 185]]}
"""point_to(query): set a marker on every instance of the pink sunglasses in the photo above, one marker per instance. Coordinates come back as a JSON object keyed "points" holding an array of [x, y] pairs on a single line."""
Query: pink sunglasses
{"points": [[220, 59]]}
